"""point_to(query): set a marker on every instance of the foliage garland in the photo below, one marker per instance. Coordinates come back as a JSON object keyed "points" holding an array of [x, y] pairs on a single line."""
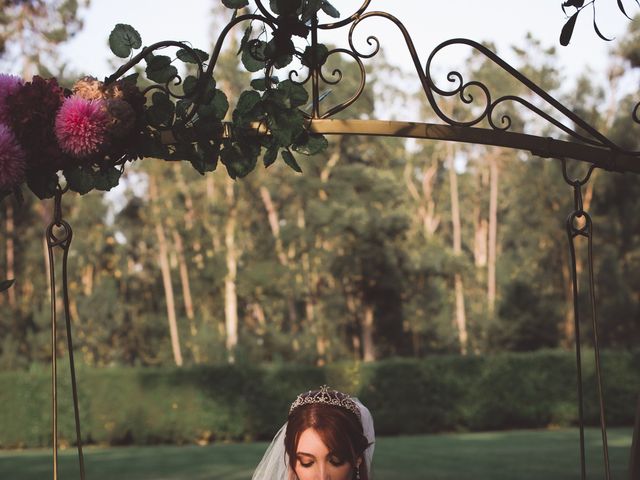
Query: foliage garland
{"points": [[89, 132]]}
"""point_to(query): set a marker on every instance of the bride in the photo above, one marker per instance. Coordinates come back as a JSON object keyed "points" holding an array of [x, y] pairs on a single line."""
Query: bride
{"points": [[328, 435]]}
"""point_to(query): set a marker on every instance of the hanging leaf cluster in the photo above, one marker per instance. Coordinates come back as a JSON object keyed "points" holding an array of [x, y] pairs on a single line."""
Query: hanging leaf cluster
{"points": [[579, 5], [267, 122]]}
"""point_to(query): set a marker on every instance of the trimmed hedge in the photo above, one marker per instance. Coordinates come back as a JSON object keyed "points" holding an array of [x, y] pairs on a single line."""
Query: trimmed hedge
{"points": [[221, 403]]}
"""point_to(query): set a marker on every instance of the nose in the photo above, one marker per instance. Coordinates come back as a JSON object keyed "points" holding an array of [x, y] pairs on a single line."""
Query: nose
{"points": [[324, 473]]}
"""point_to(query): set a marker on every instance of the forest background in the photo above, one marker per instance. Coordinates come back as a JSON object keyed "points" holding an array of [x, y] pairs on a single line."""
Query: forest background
{"points": [[382, 248]]}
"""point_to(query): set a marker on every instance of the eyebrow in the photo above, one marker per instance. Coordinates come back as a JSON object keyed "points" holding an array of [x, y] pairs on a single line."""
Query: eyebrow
{"points": [[306, 454]]}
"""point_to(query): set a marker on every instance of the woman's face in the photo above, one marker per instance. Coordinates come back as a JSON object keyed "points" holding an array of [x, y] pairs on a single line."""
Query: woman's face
{"points": [[314, 461]]}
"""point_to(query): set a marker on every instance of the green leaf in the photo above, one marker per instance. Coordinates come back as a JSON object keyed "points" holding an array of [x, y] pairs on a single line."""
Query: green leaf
{"points": [[6, 285], [235, 4], [245, 38], [123, 39], [288, 7], [280, 51], [43, 185], [260, 84], [79, 180], [567, 30], [206, 157], [296, 94], [189, 85], [159, 69], [161, 111], [238, 162], [270, 156], [253, 55], [216, 108], [309, 60], [314, 143], [105, 180], [131, 79], [182, 107], [330, 9], [288, 158], [310, 9], [151, 146], [192, 56], [248, 99]]}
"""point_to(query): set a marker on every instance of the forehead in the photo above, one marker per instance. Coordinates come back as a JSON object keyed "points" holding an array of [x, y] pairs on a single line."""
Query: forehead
{"points": [[310, 442]]}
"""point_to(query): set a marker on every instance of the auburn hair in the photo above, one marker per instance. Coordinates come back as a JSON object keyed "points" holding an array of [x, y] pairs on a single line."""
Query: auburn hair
{"points": [[339, 429]]}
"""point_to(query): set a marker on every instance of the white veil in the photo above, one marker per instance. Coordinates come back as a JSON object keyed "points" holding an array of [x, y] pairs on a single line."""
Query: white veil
{"points": [[275, 462]]}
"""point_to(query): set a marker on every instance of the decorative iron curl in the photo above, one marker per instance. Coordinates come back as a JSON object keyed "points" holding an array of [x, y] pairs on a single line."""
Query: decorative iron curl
{"points": [[371, 40], [594, 138], [541, 113], [635, 114], [337, 73]]}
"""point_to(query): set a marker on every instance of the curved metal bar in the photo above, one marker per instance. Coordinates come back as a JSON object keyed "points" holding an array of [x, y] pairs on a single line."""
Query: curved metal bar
{"points": [[356, 95], [146, 51], [265, 11], [348, 20], [371, 39]]}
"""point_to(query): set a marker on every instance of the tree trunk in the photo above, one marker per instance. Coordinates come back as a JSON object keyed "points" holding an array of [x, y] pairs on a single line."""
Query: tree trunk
{"points": [[426, 209], [216, 242], [274, 223], [230, 294], [460, 317], [315, 326], [368, 347], [493, 235], [165, 269], [186, 294]]}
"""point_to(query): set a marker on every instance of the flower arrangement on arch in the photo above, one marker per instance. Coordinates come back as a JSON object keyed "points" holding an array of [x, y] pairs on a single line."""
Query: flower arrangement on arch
{"points": [[45, 128]]}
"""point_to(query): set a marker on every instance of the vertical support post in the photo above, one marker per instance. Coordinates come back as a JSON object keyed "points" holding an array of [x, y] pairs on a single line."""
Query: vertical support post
{"points": [[315, 73], [59, 234]]}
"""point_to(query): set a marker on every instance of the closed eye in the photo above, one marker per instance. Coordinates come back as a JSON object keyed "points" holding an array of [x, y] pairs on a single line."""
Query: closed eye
{"points": [[336, 461], [305, 462]]}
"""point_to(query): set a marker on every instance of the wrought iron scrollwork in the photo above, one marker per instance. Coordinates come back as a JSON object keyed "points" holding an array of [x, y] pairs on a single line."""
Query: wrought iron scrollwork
{"points": [[483, 106]]}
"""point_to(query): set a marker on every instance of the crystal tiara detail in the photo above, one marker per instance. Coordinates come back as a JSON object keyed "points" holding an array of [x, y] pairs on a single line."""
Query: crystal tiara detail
{"points": [[327, 396]]}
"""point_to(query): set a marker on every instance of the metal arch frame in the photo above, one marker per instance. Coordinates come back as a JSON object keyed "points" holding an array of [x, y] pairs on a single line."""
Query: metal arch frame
{"points": [[581, 141], [584, 142]]}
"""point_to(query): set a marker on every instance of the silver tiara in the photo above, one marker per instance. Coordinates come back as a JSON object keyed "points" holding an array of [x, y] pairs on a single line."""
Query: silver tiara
{"points": [[327, 396]]}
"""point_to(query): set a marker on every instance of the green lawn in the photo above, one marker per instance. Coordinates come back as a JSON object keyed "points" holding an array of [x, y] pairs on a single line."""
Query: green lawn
{"points": [[519, 455]]}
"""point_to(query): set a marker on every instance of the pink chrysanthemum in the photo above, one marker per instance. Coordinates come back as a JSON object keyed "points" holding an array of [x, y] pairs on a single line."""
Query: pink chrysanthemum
{"points": [[9, 84], [12, 159], [81, 125]]}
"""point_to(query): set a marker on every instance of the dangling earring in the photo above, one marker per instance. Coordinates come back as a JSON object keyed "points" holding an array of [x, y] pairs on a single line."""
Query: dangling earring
{"points": [[358, 472]]}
